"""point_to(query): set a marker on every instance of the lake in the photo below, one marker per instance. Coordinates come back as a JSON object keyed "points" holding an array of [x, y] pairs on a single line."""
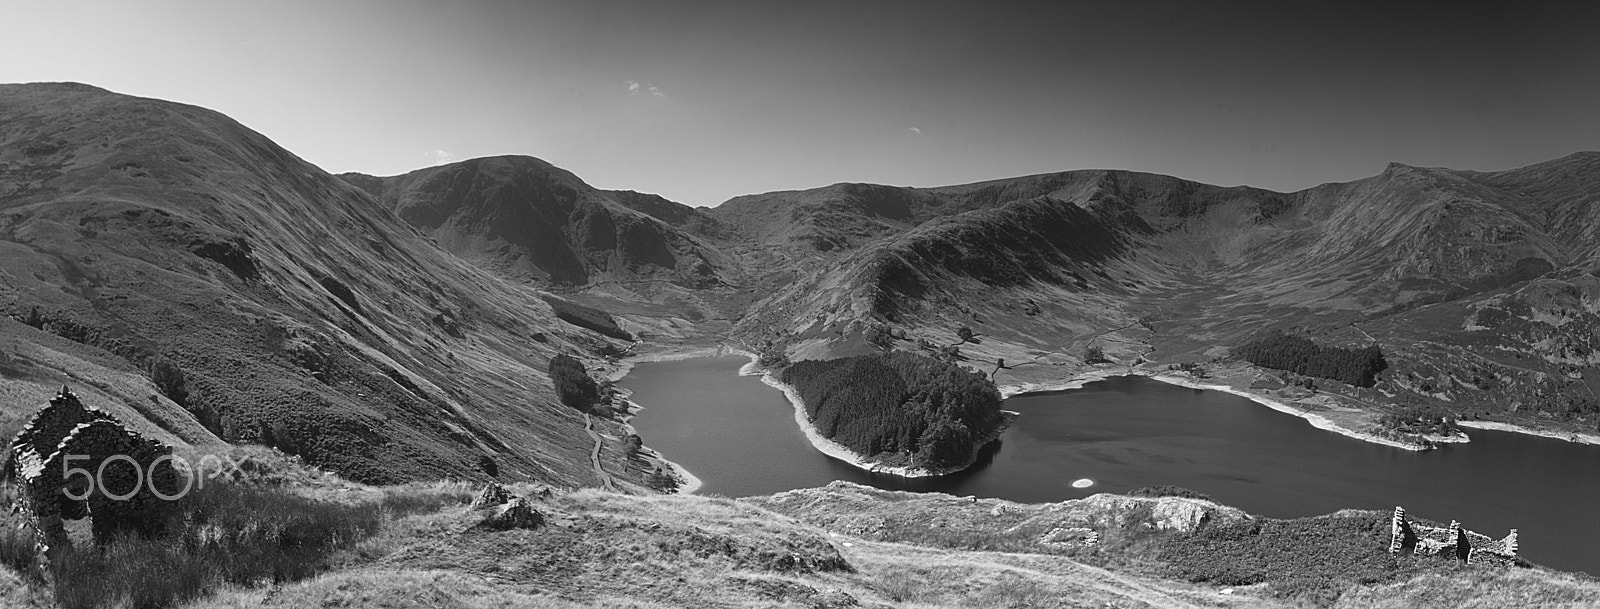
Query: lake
{"points": [[739, 436]]}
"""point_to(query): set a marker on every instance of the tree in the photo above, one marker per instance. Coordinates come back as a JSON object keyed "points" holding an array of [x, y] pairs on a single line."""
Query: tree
{"points": [[1094, 354], [964, 333]]}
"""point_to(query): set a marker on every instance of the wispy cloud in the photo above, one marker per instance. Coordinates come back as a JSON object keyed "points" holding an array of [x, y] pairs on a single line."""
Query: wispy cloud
{"points": [[635, 87], [914, 130], [440, 157]]}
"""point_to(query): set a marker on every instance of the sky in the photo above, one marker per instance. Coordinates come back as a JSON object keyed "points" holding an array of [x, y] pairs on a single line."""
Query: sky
{"points": [[701, 102]]}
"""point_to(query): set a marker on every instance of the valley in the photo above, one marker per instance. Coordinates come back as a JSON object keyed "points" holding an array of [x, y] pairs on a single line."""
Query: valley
{"points": [[380, 334]]}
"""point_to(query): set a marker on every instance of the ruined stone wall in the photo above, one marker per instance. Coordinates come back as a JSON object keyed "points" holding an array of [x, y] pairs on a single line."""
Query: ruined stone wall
{"points": [[1452, 542], [71, 461]]}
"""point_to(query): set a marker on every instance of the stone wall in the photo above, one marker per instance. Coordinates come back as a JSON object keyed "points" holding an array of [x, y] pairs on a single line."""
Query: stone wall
{"points": [[124, 472], [1452, 542]]}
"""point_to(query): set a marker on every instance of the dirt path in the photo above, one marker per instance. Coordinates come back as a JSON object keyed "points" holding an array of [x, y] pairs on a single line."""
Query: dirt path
{"points": [[594, 457]]}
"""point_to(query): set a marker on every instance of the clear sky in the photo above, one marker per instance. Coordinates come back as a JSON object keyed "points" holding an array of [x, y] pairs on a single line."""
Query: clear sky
{"points": [[700, 102]]}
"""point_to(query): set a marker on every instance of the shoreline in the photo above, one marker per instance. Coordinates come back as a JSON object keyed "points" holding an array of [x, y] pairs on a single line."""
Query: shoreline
{"points": [[691, 483], [1316, 420], [842, 453], [1575, 437]]}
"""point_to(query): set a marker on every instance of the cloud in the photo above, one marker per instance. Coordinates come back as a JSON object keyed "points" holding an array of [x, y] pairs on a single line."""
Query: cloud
{"points": [[635, 87], [914, 130], [440, 157]]}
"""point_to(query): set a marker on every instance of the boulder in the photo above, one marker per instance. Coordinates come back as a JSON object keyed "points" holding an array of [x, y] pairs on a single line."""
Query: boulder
{"points": [[492, 495], [514, 514]]}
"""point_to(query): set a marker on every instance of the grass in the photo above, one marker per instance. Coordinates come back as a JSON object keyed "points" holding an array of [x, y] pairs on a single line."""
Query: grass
{"points": [[1311, 560], [221, 534], [274, 521]]}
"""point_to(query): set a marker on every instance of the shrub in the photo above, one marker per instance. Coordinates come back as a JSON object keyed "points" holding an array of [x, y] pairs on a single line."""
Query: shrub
{"points": [[1307, 559], [1167, 490], [169, 379], [1421, 420], [772, 356]]}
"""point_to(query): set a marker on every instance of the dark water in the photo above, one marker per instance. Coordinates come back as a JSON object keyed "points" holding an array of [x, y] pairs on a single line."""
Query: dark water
{"points": [[740, 438]]}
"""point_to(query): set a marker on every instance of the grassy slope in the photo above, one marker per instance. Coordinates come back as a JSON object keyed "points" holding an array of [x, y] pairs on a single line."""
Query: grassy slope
{"points": [[838, 546], [301, 312]]}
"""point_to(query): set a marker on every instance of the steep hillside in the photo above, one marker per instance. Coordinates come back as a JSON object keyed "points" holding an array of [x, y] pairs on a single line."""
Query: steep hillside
{"points": [[526, 219], [1478, 280], [275, 303]]}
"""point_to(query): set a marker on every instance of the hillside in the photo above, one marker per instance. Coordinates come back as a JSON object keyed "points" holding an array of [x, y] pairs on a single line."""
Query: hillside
{"points": [[279, 304], [1161, 271], [527, 219]]}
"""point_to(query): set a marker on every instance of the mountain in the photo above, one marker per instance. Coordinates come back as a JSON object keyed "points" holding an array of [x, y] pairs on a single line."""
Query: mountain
{"points": [[527, 219], [1159, 269], [1155, 269], [270, 301]]}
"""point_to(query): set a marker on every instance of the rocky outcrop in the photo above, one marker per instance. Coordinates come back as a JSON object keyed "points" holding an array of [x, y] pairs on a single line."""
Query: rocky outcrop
{"points": [[514, 514], [507, 510], [492, 495], [872, 513]]}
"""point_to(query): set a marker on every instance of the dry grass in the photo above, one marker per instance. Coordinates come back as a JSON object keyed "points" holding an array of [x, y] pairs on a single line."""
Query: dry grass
{"points": [[417, 546], [1480, 589]]}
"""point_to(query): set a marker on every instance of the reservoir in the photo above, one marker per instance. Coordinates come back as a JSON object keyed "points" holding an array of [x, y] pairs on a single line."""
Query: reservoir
{"points": [[739, 436]]}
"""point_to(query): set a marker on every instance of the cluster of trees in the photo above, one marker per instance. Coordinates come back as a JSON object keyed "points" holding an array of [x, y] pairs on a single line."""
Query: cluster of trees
{"points": [[1421, 420], [1299, 355], [573, 384], [898, 403], [586, 317], [772, 355]]}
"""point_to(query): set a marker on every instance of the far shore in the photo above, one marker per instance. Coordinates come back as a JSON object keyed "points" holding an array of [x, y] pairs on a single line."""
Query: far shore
{"points": [[1318, 421], [1578, 437], [843, 453]]}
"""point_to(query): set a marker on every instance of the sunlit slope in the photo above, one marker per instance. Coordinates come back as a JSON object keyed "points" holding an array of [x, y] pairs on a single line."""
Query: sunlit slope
{"points": [[297, 310]]}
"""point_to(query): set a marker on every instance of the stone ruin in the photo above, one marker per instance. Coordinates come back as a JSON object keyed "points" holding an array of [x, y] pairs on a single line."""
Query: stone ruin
{"points": [[124, 470], [1450, 542]]}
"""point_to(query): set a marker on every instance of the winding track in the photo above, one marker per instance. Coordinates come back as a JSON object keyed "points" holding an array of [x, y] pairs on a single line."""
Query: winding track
{"points": [[594, 456]]}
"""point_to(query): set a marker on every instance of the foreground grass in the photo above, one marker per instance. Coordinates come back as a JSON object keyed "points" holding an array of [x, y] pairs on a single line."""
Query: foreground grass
{"points": [[321, 542], [252, 530]]}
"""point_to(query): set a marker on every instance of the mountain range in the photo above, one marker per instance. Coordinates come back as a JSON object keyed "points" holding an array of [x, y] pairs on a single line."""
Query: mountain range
{"points": [[198, 279]]}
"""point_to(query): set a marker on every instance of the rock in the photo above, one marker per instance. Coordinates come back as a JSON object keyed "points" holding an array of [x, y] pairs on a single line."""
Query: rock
{"points": [[514, 514], [492, 495], [1071, 537], [833, 599]]}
